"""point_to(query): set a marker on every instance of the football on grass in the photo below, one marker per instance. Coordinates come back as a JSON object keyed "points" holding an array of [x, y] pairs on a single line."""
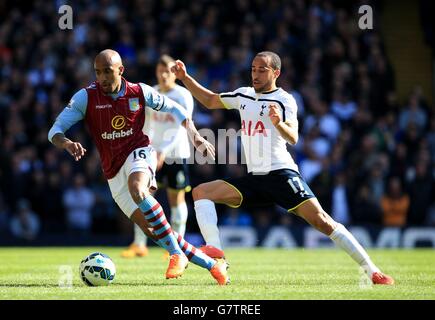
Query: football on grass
{"points": [[97, 269]]}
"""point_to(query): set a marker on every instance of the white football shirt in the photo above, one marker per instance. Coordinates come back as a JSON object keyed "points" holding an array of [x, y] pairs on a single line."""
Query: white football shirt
{"points": [[264, 148], [166, 135]]}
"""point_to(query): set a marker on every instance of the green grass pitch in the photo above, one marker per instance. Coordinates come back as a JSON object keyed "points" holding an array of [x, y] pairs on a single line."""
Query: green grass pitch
{"points": [[257, 274]]}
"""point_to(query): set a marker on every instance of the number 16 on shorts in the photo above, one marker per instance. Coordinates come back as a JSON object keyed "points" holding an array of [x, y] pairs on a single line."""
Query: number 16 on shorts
{"points": [[139, 153], [143, 157]]}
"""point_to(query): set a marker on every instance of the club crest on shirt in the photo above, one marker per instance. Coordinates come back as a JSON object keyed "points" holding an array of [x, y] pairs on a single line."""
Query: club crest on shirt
{"points": [[262, 109], [133, 103]]}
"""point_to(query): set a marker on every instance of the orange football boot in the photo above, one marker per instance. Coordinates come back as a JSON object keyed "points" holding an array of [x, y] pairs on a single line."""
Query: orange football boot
{"points": [[177, 264], [220, 272]]}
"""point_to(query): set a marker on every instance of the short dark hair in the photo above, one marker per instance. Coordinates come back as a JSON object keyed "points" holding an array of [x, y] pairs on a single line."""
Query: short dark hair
{"points": [[275, 60], [165, 60]]}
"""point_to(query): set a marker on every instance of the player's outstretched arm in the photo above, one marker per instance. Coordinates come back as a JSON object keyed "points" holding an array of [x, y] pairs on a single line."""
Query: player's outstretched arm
{"points": [[287, 130], [158, 102], [71, 114], [202, 145], [208, 98], [75, 149]]}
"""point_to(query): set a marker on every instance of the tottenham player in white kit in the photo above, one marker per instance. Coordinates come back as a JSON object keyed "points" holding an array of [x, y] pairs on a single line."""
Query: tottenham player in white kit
{"points": [[269, 121], [172, 145]]}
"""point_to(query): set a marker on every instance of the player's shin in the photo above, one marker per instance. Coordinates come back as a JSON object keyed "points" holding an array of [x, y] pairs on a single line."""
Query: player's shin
{"points": [[156, 218], [346, 241], [179, 218], [206, 217]]}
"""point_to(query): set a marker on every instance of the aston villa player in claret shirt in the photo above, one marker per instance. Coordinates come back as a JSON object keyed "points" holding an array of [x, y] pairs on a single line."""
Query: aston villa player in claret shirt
{"points": [[113, 110]]}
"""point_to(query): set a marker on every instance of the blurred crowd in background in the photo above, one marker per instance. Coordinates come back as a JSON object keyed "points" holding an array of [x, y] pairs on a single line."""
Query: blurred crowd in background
{"points": [[367, 156]]}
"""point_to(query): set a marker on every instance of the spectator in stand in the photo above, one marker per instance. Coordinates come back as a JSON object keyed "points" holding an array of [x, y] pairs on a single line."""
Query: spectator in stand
{"points": [[395, 204], [342, 107], [421, 191], [411, 138], [366, 211], [414, 114], [399, 163], [328, 124], [25, 223], [78, 202]]}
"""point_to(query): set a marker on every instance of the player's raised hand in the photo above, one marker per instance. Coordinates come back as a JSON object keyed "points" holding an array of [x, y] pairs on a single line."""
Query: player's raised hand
{"points": [[205, 147], [274, 114], [179, 69], [75, 149], [202, 145]]}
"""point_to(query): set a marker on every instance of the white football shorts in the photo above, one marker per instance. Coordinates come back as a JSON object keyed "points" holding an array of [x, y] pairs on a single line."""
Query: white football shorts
{"points": [[140, 160]]}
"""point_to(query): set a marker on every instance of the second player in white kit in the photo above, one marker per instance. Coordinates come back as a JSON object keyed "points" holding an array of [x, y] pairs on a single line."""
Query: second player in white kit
{"points": [[173, 148]]}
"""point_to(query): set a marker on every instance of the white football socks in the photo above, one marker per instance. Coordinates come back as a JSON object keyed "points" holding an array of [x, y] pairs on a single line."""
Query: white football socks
{"points": [[346, 241], [179, 218], [207, 221], [140, 238]]}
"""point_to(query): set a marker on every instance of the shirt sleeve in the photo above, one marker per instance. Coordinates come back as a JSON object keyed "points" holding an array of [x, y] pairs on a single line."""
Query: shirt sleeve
{"points": [[159, 102], [290, 110], [71, 114], [230, 100], [187, 103]]}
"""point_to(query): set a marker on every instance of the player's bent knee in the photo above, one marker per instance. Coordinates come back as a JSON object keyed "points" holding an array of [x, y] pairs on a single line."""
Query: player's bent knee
{"points": [[199, 193]]}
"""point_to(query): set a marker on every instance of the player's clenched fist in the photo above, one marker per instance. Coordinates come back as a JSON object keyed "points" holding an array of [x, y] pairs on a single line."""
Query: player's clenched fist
{"points": [[274, 114], [179, 69], [75, 149]]}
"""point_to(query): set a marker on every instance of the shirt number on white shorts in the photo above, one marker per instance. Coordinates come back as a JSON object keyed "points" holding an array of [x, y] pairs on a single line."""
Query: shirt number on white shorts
{"points": [[299, 186], [140, 154]]}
